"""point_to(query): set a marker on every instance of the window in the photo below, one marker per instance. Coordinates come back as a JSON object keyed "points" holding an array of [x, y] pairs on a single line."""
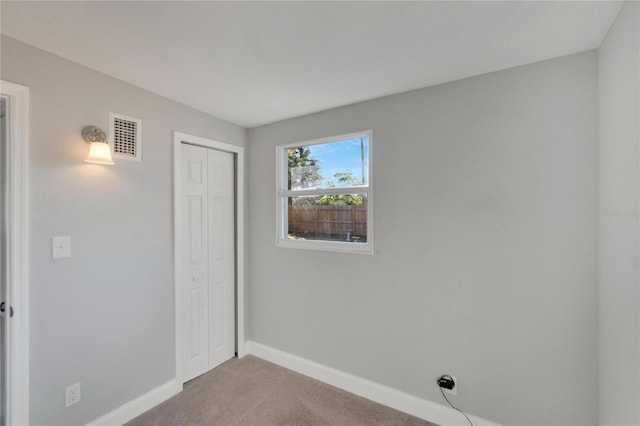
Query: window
{"points": [[324, 194]]}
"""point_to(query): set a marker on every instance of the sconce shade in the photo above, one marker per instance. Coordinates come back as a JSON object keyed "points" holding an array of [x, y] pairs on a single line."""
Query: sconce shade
{"points": [[100, 152]]}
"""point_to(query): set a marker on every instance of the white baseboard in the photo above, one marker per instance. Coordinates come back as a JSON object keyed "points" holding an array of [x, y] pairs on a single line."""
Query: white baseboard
{"points": [[134, 408], [418, 407]]}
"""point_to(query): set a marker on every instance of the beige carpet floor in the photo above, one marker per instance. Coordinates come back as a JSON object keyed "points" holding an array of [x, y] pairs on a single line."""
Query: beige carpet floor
{"points": [[251, 391]]}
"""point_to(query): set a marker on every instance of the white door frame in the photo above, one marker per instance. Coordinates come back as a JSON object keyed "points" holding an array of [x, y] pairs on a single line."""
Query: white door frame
{"points": [[178, 139], [17, 265]]}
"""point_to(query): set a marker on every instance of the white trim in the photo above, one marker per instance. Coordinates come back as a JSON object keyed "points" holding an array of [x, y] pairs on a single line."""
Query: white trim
{"points": [[422, 408], [324, 191], [282, 193], [134, 408], [18, 272], [178, 139]]}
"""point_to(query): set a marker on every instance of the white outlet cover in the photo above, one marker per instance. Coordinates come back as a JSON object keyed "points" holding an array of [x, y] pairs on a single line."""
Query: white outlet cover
{"points": [[60, 247], [453, 391], [72, 394]]}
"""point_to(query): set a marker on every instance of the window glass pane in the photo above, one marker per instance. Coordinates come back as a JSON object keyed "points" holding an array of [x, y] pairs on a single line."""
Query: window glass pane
{"points": [[328, 217], [329, 165]]}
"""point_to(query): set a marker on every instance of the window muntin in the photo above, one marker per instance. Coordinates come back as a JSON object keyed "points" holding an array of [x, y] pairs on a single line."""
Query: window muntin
{"points": [[324, 194]]}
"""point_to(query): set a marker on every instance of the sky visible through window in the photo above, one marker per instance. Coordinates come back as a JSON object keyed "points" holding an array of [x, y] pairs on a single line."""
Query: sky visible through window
{"points": [[340, 157]]}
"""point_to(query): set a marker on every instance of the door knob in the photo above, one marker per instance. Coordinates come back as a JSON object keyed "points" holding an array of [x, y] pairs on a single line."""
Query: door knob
{"points": [[2, 309]]}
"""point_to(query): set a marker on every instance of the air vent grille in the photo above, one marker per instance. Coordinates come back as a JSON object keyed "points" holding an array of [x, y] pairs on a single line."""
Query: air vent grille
{"points": [[125, 136]]}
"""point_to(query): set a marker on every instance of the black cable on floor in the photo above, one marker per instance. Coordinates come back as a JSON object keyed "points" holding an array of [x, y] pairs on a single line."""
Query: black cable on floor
{"points": [[455, 408]]}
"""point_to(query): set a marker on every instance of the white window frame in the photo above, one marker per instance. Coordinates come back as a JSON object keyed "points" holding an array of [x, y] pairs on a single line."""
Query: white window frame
{"points": [[282, 194]]}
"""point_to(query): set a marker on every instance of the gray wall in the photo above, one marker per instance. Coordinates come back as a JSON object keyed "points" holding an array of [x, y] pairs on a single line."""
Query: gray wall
{"points": [[619, 290], [485, 228], [103, 317]]}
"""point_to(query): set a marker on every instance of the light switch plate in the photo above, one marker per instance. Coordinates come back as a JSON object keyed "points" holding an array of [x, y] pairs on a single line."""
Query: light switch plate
{"points": [[60, 247]]}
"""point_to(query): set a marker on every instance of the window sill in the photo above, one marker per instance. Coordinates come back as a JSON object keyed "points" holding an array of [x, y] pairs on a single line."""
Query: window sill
{"points": [[333, 246]]}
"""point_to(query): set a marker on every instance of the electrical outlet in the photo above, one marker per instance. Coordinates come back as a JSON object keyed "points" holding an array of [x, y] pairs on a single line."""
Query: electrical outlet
{"points": [[448, 384], [72, 395], [454, 390]]}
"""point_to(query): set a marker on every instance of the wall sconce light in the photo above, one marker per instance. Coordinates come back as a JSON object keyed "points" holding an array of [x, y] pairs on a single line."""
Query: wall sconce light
{"points": [[99, 153]]}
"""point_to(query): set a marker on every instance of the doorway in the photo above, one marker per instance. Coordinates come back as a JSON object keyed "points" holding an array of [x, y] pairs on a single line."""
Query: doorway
{"points": [[4, 320], [14, 360], [208, 212]]}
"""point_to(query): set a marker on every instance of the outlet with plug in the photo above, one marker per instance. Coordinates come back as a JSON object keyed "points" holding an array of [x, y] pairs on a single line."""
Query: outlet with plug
{"points": [[448, 384], [72, 394]]}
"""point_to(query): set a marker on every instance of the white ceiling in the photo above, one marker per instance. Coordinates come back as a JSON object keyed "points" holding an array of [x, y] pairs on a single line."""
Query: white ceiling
{"points": [[254, 63]]}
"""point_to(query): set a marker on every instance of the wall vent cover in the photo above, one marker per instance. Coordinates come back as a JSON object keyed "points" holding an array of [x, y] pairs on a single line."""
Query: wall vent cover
{"points": [[125, 136]]}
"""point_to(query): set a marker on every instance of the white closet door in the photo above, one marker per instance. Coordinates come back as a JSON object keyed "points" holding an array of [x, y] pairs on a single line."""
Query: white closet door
{"points": [[221, 257], [195, 262], [208, 258]]}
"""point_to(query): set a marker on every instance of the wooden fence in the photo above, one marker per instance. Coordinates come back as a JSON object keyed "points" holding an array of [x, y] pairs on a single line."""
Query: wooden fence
{"points": [[328, 222]]}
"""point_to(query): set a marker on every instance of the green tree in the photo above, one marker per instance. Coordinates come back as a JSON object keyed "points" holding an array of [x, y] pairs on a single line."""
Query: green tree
{"points": [[303, 171], [341, 200], [345, 179]]}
